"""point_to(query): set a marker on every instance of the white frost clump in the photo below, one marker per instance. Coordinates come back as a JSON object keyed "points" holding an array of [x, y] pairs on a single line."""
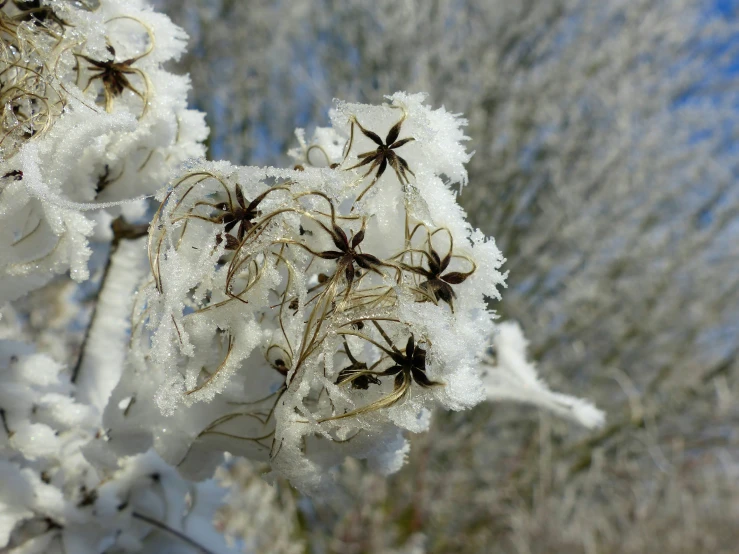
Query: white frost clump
{"points": [[301, 316], [64, 491], [509, 376], [89, 120]]}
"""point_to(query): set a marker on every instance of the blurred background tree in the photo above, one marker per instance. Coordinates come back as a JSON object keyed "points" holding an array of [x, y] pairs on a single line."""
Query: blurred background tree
{"points": [[605, 167]]}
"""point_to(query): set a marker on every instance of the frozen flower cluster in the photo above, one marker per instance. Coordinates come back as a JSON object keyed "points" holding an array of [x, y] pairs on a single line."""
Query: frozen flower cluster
{"points": [[89, 119], [300, 316]]}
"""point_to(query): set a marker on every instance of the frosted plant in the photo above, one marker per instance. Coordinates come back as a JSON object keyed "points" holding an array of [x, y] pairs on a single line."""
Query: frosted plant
{"points": [[32, 100], [90, 120], [509, 376], [64, 492], [67, 490], [304, 315], [90, 125], [310, 314]]}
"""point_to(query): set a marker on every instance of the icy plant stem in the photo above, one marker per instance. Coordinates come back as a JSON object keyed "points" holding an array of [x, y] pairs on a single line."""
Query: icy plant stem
{"points": [[105, 340]]}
